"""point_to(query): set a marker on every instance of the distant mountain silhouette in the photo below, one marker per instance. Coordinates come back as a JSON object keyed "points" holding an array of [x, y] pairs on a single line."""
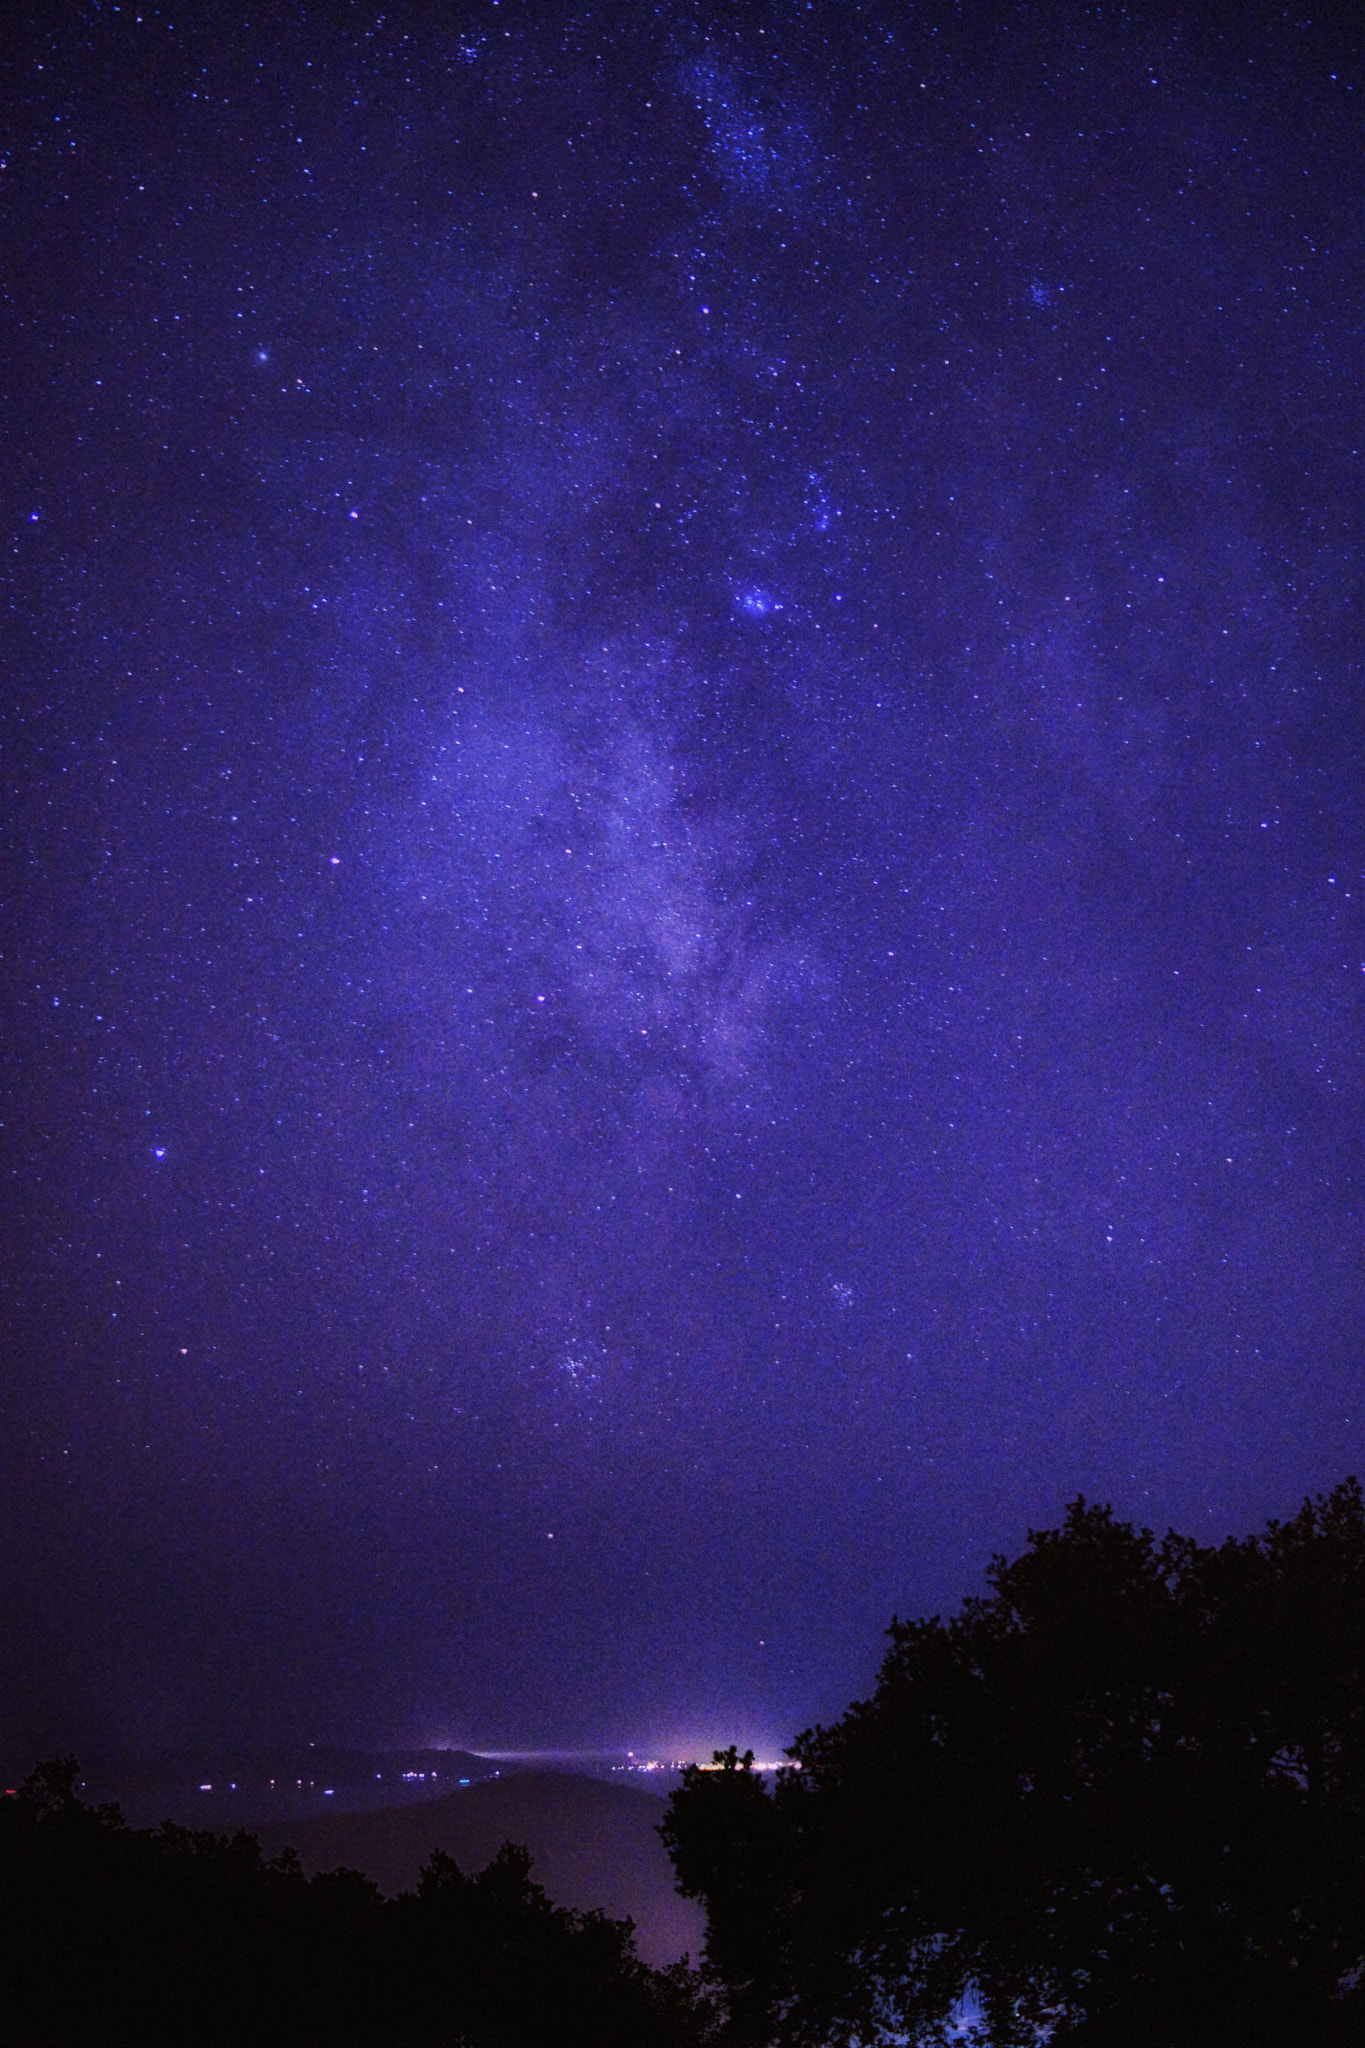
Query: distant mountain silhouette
{"points": [[593, 1844]]}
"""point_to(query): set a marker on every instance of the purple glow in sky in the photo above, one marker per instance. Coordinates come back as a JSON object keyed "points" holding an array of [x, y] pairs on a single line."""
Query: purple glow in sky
{"points": [[685, 850]]}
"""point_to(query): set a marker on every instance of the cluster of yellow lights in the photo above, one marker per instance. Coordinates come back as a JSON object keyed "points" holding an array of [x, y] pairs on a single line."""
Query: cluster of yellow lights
{"points": [[782, 1763]]}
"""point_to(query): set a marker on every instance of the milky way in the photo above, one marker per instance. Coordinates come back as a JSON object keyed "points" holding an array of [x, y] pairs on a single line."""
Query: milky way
{"points": [[684, 930]]}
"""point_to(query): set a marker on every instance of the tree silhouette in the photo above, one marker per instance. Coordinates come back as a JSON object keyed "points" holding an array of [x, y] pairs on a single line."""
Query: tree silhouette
{"points": [[1121, 1801], [112, 1936]]}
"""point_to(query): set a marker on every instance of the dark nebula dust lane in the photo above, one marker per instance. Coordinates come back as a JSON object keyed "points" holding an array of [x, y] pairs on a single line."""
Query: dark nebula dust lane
{"points": [[684, 840]]}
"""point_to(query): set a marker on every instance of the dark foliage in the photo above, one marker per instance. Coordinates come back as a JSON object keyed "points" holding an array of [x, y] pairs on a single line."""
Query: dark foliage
{"points": [[1118, 1804], [114, 1937]]}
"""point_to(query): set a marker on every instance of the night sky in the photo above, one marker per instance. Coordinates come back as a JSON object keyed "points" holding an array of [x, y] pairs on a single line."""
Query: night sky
{"points": [[684, 839]]}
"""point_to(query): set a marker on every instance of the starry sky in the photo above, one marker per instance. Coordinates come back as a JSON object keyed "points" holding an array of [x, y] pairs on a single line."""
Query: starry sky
{"points": [[684, 839]]}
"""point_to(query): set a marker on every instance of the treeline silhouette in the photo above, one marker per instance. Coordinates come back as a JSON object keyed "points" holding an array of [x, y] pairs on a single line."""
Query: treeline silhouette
{"points": [[115, 1937], [1118, 1804]]}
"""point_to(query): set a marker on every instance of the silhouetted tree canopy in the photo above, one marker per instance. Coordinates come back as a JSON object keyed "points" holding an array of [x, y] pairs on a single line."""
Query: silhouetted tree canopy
{"points": [[1118, 1803], [113, 1937]]}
